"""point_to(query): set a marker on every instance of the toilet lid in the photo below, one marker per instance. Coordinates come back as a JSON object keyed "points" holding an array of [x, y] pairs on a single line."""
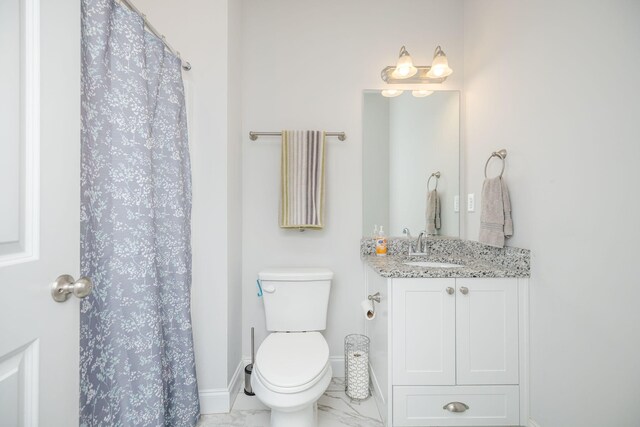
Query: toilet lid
{"points": [[292, 359]]}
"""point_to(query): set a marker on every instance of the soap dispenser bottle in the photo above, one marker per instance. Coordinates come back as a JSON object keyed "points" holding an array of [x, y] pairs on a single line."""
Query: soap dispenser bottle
{"points": [[381, 243]]}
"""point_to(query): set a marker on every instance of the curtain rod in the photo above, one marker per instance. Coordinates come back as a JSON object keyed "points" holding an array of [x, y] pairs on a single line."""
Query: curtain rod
{"points": [[254, 135], [185, 64]]}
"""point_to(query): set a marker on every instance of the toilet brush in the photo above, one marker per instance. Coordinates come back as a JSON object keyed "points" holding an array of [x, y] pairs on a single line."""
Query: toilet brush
{"points": [[248, 369]]}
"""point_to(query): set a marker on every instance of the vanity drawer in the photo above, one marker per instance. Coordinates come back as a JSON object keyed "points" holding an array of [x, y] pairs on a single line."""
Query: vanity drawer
{"points": [[488, 405]]}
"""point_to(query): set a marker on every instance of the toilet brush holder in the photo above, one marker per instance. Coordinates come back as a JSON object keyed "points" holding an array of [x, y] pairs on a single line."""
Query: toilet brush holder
{"points": [[247, 380], [248, 370]]}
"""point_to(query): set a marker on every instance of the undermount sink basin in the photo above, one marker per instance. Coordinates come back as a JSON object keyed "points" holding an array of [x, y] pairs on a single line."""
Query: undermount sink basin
{"points": [[432, 264]]}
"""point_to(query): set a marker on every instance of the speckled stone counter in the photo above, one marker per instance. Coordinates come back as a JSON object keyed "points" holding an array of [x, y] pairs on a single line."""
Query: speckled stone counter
{"points": [[478, 260]]}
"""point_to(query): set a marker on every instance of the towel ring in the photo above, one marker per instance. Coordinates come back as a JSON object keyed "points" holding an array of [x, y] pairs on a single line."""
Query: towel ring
{"points": [[502, 154], [437, 175]]}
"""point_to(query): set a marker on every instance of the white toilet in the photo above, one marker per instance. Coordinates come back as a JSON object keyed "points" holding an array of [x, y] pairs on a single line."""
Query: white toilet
{"points": [[292, 368]]}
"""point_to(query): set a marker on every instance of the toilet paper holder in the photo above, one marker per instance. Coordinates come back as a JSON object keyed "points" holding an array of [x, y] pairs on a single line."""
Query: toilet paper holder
{"points": [[369, 306], [375, 297]]}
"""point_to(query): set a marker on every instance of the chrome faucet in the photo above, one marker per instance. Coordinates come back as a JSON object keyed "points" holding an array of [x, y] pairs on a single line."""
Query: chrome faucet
{"points": [[421, 243], [421, 247]]}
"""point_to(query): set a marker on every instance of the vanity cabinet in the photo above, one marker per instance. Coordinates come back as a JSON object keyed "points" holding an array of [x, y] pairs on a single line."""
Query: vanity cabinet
{"points": [[455, 332], [457, 351]]}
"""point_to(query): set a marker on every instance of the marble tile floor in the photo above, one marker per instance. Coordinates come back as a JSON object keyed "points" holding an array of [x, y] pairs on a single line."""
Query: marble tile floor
{"points": [[335, 409]]}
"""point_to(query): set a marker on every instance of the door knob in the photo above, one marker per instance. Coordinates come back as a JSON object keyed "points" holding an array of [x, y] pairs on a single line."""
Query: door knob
{"points": [[65, 285], [464, 290], [450, 290], [455, 407]]}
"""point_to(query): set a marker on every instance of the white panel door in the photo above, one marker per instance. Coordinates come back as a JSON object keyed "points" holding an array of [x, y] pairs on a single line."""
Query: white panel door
{"points": [[38, 336], [487, 331], [424, 331]]}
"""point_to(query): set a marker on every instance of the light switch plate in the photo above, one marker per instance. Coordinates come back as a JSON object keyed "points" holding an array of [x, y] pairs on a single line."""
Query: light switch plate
{"points": [[456, 204], [471, 202]]}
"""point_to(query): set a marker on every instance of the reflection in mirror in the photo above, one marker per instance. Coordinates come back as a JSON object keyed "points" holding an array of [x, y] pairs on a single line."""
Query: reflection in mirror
{"points": [[405, 140]]}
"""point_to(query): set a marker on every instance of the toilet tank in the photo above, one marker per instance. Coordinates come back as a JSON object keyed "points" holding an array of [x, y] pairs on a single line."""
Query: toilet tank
{"points": [[296, 299]]}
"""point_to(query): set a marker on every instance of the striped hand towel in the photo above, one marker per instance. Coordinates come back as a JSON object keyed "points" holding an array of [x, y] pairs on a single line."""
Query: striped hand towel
{"points": [[302, 198]]}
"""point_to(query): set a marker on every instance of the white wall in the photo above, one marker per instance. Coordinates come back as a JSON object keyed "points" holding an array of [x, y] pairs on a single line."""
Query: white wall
{"points": [[206, 32], [305, 65], [556, 84]]}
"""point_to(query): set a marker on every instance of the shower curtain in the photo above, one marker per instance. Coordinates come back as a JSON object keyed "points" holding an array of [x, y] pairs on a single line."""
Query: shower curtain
{"points": [[137, 365]]}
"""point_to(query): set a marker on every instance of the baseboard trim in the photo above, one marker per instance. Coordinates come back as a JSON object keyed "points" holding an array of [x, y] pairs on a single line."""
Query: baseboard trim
{"points": [[376, 391], [532, 423], [237, 381], [220, 400], [337, 366], [214, 401]]}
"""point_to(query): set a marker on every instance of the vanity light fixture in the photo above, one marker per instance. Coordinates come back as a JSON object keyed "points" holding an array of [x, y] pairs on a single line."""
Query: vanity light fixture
{"points": [[404, 67], [404, 72], [440, 65], [390, 93], [421, 93]]}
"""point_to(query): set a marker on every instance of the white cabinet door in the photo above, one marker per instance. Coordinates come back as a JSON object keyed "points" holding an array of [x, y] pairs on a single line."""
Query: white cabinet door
{"points": [[487, 331], [423, 331]]}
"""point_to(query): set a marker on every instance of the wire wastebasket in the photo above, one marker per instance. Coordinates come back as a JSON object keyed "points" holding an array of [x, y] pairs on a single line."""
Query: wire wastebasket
{"points": [[356, 366]]}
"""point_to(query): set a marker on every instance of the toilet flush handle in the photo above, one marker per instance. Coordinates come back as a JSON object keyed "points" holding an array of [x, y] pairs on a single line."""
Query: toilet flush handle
{"points": [[270, 289]]}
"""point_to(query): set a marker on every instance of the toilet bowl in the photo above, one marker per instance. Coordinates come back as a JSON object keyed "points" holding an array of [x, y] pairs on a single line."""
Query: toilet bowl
{"points": [[290, 374], [292, 369]]}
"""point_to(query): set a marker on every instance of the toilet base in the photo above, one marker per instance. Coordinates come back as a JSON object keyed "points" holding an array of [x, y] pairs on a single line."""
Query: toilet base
{"points": [[305, 417]]}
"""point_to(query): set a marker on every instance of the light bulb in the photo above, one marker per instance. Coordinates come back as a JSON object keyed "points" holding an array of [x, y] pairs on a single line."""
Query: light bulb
{"points": [[390, 93], [440, 65], [404, 67], [403, 71], [421, 93]]}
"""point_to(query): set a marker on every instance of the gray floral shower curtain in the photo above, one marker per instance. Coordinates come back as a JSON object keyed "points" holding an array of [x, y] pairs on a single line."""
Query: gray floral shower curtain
{"points": [[137, 362]]}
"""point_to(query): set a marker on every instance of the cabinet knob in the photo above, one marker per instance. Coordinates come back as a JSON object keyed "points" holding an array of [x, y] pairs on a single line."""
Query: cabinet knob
{"points": [[450, 290], [464, 290], [455, 407]]}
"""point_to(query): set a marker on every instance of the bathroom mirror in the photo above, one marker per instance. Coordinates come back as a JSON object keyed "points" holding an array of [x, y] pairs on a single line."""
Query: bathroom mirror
{"points": [[405, 140]]}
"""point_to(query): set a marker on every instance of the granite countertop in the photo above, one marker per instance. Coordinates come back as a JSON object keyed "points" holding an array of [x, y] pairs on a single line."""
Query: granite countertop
{"points": [[392, 266], [478, 260]]}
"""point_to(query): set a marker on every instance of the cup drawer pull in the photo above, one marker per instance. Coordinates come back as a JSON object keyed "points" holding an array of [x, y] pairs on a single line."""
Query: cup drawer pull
{"points": [[456, 407]]}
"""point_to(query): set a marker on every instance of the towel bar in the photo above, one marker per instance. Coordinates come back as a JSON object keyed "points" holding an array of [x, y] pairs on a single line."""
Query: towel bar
{"points": [[254, 135], [501, 154]]}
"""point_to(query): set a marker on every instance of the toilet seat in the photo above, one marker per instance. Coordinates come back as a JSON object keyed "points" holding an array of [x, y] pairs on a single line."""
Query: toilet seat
{"points": [[292, 362]]}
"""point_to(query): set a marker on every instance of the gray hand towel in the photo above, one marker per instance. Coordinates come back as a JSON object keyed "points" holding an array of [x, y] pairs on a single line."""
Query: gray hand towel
{"points": [[433, 212], [495, 216]]}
